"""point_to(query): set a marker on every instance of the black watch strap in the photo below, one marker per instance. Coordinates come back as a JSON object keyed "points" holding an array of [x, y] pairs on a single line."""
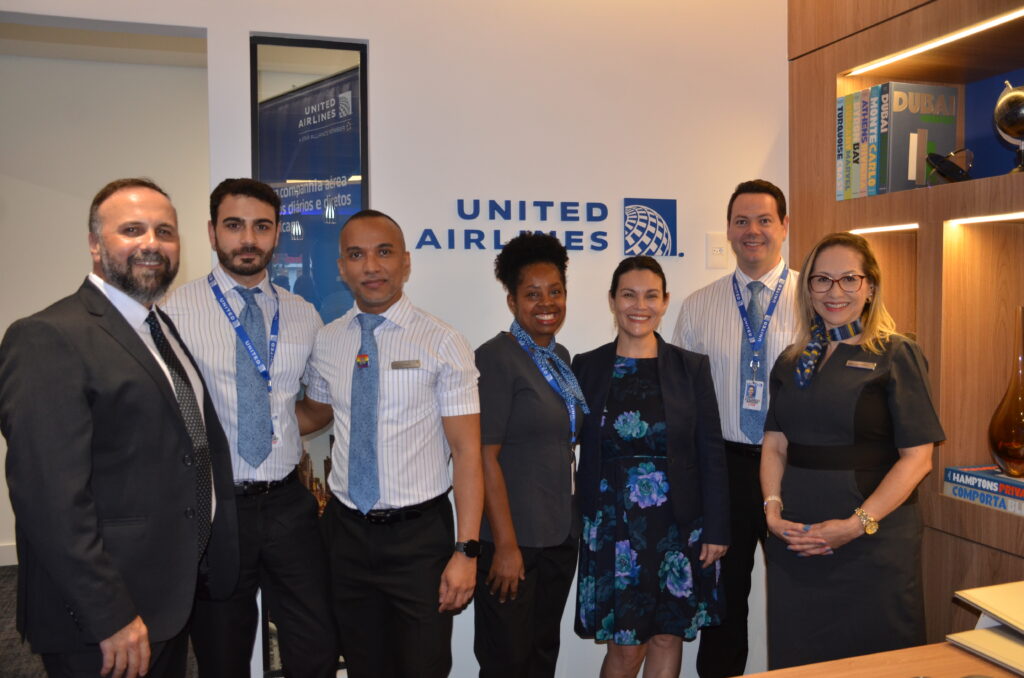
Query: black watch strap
{"points": [[470, 548]]}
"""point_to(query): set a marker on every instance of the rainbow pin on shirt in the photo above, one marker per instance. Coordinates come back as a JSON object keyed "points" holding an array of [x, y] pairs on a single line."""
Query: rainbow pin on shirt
{"points": [[362, 360]]}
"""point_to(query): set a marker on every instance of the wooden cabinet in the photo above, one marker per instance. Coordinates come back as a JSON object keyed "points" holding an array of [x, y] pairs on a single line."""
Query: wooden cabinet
{"points": [[954, 286]]}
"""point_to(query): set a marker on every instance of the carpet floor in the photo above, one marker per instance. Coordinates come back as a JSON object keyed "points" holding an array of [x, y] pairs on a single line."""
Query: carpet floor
{"points": [[16, 659]]}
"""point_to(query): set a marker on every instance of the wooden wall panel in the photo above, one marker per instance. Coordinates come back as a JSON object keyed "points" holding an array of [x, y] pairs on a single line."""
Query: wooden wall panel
{"points": [[897, 257], [952, 564], [813, 23]]}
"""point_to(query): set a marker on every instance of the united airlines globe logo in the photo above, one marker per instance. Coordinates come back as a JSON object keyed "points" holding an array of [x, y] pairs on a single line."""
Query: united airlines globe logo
{"points": [[649, 227]]}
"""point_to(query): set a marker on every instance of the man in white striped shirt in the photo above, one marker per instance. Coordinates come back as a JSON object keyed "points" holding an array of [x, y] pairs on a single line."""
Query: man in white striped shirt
{"points": [[716, 320], [399, 566], [282, 550]]}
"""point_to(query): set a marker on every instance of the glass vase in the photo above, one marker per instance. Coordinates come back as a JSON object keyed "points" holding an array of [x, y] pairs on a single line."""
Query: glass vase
{"points": [[1006, 430]]}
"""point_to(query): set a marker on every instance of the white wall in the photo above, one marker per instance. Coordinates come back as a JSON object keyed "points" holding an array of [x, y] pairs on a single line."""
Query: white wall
{"points": [[66, 128], [534, 100]]}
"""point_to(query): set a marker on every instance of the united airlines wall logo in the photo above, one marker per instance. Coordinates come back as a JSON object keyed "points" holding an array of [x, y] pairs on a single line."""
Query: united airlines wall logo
{"points": [[649, 227]]}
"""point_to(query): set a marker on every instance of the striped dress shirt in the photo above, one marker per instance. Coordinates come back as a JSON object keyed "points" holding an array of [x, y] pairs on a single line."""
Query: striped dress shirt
{"points": [[427, 372], [212, 339], [709, 322]]}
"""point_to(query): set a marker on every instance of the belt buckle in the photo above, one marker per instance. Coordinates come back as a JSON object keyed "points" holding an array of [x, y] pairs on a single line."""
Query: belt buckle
{"points": [[378, 518]]}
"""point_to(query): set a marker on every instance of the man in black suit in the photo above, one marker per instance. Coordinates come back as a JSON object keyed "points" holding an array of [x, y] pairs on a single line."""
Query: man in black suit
{"points": [[117, 466]]}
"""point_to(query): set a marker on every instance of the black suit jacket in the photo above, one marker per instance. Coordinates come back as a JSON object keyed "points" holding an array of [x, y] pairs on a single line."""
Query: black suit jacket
{"points": [[698, 482], [102, 480]]}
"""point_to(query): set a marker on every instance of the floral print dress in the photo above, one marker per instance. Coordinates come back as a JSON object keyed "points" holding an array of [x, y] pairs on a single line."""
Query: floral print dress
{"points": [[640, 572]]}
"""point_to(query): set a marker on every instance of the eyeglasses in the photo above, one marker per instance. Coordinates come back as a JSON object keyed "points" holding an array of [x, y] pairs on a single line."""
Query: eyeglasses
{"points": [[821, 283]]}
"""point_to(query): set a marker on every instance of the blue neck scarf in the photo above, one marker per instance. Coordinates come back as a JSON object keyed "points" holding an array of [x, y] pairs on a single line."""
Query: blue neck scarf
{"points": [[568, 388]]}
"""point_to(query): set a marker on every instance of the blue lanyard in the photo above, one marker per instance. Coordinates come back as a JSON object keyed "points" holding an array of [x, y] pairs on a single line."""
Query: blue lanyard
{"points": [[542, 364], [757, 342], [261, 367]]}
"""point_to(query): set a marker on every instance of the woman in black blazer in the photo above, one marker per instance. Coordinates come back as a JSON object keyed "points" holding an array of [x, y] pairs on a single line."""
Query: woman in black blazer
{"points": [[652, 486]]}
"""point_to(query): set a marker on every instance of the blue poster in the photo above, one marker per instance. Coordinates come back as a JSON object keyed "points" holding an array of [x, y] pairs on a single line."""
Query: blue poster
{"points": [[310, 152]]}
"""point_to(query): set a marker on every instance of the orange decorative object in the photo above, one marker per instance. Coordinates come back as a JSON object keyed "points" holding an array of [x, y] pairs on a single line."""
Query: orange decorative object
{"points": [[1006, 430]]}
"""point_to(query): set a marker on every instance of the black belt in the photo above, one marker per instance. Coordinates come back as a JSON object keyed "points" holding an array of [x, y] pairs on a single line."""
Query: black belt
{"points": [[397, 515], [743, 449], [248, 488]]}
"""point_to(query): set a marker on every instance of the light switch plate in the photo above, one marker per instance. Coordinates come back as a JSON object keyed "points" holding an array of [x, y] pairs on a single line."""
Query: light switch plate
{"points": [[717, 247]]}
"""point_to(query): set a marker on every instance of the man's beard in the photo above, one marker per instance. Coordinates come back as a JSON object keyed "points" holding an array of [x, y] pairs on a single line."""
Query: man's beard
{"points": [[227, 260], [145, 286]]}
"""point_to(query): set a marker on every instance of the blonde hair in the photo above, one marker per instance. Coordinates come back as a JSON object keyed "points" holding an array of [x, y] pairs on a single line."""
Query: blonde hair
{"points": [[878, 324]]}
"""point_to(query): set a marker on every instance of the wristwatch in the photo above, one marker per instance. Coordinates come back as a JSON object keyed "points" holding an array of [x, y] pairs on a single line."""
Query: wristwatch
{"points": [[470, 549], [869, 524]]}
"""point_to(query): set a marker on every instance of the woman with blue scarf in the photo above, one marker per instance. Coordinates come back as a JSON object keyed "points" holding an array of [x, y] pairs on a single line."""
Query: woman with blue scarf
{"points": [[849, 435], [531, 410], [653, 487]]}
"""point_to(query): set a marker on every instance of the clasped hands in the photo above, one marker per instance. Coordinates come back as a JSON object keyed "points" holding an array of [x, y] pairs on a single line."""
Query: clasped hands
{"points": [[815, 539]]}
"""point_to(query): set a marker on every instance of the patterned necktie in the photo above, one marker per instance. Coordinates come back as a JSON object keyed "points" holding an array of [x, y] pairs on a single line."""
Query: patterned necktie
{"points": [[254, 424], [752, 421], [189, 408], [363, 483]]}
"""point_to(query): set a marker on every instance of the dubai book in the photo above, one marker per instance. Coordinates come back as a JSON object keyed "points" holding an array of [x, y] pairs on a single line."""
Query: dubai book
{"points": [[882, 185], [922, 120]]}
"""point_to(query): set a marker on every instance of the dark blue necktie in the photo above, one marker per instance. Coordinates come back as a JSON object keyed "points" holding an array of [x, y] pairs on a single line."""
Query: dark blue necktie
{"points": [[363, 483], [254, 425], [752, 421]]}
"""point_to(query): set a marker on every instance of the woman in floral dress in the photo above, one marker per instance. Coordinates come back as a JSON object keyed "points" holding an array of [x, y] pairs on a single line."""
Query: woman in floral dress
{"points": [[652, 486]]}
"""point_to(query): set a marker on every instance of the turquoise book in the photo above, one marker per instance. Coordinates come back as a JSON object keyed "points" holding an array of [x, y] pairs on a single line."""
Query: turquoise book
{"points": [[839, 146]]}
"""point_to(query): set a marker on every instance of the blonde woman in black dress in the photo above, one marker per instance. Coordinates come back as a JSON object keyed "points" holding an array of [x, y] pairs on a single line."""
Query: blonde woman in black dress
{"points": [[848, 437]]}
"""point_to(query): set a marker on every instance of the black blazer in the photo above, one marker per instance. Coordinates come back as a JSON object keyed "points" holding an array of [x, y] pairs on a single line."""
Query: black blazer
{"points": [[699, 484], [102, 480]]}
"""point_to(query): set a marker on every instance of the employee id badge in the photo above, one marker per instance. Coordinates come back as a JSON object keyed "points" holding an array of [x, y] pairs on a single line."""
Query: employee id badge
{"points": [[275, 431], [753, 394]]}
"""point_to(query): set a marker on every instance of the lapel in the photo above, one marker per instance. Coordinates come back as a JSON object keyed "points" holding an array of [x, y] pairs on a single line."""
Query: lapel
{"points": [[668, 364], [110, 320], [605, 359]]}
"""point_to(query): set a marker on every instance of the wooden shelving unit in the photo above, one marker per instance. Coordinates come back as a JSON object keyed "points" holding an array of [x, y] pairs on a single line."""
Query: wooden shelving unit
{"points": [[955, 287]]}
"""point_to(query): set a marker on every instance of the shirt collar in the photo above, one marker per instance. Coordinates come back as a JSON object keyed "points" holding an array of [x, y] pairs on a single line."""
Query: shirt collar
{"points": [[134, 312], [228, 284], [770, 279], [400, 313]]}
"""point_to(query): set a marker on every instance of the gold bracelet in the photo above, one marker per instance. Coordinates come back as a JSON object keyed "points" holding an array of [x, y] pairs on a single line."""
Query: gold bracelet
{"points": [[869, 524], [773, 497]]}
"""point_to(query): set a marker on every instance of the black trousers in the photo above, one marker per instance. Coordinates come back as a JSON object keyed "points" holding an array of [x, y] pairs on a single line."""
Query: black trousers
{"points": [[168, 659], [520, 638], [282, 555], [723, 649], [385, 581]]}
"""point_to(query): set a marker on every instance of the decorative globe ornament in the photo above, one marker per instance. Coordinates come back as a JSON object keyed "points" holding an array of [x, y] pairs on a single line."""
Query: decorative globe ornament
{"points": [[1009, 119]]}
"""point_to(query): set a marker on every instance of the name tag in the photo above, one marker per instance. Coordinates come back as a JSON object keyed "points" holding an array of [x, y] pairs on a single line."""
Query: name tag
{"points": [[405, 364], [861, 365]]}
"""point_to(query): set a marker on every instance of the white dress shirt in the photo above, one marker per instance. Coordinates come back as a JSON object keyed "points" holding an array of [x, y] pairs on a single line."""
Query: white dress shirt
{"points": [[709, 322], [427, 372], [136, 314], [212, 340]]}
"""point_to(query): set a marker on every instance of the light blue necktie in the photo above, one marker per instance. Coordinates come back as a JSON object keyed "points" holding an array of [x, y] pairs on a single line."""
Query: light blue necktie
{"points": [[254, 425], [363, 484], [752, 421]]}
